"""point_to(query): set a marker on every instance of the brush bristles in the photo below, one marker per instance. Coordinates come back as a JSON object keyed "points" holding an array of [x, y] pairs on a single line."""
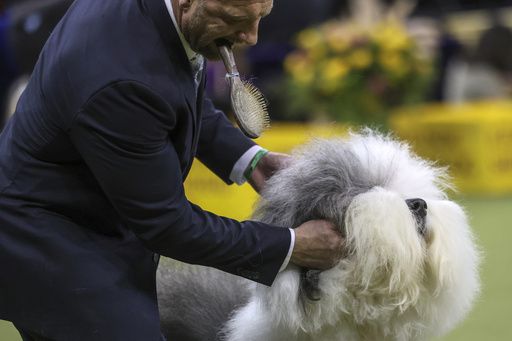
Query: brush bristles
{"points": [[250, 107]]}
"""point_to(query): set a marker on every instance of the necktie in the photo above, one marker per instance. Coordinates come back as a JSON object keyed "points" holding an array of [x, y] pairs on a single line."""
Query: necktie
{"points": [[197, 64]]}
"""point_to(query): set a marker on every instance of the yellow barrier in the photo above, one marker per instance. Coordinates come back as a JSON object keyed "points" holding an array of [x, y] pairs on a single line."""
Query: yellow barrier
{"points": [[206, 190], [473, 139]]}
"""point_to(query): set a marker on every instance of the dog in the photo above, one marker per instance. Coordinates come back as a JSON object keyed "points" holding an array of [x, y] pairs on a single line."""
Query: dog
{"points": [[411, 265]]}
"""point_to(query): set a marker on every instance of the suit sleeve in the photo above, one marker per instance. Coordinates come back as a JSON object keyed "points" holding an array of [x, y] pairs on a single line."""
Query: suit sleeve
{"points": [[221, 144], [122, 135]]}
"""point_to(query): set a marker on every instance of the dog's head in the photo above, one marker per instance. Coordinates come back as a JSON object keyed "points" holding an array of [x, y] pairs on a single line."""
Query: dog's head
{"points": [[410, 254]]}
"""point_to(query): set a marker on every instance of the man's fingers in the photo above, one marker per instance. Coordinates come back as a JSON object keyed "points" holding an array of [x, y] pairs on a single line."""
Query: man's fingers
{"points": [[317, 245]]}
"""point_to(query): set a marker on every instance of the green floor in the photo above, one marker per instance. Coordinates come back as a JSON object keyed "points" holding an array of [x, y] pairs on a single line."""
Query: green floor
{"points": [[489, 321]]}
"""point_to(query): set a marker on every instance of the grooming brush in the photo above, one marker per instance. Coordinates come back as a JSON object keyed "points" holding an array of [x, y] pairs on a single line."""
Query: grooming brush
{"points": [[247, 101]]}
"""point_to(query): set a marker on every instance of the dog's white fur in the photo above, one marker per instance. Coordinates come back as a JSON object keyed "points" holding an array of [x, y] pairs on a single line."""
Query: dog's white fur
{"points": [[394, 283]]}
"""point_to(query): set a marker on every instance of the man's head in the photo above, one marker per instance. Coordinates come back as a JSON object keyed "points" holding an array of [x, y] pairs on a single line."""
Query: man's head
{"points": [[204, 21]]}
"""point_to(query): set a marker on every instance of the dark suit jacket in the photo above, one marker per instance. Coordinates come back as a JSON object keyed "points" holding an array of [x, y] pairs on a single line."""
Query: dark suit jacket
{"points": [[92, 166]]}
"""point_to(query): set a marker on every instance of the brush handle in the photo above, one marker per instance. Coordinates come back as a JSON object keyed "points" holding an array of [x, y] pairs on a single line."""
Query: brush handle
{"points": [[229, 60]]}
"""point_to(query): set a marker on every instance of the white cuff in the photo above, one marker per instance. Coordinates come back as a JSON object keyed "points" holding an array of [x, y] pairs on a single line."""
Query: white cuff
{"points": [[237, 173], [292, 244]]}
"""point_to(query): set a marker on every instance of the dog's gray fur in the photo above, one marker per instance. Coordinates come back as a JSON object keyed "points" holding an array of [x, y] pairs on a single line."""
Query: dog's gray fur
{"points": [[195, 301]]}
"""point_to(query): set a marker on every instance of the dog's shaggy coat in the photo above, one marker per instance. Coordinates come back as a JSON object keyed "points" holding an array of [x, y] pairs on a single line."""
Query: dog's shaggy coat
{"points": [[410, 270]]}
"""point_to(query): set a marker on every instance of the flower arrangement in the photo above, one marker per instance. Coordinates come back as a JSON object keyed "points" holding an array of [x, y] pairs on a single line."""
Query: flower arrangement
{"points": [[355, 74]]}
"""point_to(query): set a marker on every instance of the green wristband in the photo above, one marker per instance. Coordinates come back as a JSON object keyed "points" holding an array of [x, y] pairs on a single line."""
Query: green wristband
{"points": [[254, 162]]}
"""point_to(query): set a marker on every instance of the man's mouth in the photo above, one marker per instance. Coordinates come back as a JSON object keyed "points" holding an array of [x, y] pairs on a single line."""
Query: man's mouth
{"points": [[224, 42]]}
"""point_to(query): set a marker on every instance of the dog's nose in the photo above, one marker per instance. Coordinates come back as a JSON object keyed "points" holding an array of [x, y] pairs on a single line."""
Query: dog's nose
{"points": [[418, 207]]}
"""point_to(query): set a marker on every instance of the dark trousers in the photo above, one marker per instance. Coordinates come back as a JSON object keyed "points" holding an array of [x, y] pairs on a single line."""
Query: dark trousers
{"points": [[29, 336]]}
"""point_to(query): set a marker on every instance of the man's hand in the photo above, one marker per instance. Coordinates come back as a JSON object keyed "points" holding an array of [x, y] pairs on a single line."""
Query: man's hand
{"points": [[266, 167], [317, 245]]}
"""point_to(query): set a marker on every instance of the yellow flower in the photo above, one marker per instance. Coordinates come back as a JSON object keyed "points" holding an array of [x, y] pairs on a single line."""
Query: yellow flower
{"points": [[298, 65], [391, 61], [309, 39], [337, 45], [332, 72], [360, 58], [391, 35], [305, 77], [334, 69], [319, 53]]}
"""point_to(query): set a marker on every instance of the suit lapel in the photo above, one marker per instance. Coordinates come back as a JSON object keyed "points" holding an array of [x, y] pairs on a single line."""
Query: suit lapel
{"points": [[175, 50], [182, 69]]}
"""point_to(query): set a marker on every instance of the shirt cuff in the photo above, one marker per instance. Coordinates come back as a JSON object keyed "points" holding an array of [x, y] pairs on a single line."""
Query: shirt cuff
{"points": [[237, 173], [292, 244]]}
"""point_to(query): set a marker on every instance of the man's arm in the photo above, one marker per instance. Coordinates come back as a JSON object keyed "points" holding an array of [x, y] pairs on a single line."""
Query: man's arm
{"points": [[221, 144], [122, 134]]}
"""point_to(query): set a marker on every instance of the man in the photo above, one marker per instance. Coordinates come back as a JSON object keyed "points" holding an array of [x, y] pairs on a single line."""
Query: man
{"points": [[92, 165]]}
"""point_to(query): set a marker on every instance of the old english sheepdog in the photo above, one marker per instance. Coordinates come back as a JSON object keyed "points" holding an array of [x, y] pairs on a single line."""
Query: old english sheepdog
{"points": [[410, 270]]}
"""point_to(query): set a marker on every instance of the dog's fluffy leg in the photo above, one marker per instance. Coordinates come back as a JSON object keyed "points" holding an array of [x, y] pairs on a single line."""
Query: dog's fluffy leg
{"points": [[262, 319], [195, 301]]}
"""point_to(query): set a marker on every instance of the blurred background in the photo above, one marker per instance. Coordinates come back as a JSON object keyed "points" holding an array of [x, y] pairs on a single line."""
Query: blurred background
{"points": [[436, 73]]}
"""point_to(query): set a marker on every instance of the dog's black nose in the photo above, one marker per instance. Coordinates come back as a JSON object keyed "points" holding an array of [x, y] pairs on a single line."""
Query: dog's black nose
{"points": [[418, 207]]}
